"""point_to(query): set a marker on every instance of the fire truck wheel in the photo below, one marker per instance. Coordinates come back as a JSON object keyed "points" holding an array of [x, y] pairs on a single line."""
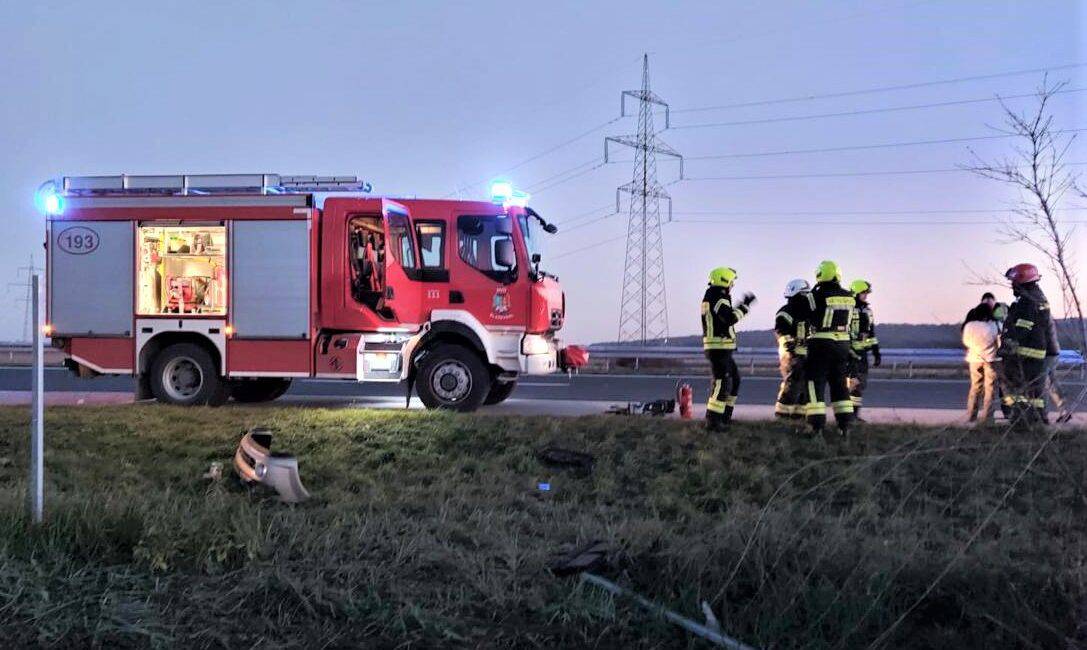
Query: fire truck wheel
{"points": [[185, 374], [259, 390], [500, 392], [454, 378]]}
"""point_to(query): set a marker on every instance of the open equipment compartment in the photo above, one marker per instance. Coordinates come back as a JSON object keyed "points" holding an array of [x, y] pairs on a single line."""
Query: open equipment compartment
{"points": [[182, 269]]}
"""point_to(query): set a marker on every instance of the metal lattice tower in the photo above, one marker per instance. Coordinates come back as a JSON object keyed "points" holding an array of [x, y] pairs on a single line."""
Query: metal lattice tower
{"points": [[28, 320], [643, 313]]}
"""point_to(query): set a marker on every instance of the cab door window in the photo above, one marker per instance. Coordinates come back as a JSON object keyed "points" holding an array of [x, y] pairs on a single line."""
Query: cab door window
{"points": [[485, 243], [432, 263], [401, 244]]}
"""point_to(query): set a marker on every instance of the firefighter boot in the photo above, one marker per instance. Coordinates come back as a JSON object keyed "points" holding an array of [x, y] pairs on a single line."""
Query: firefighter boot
{"points": [[845, 421], [715, 422]]}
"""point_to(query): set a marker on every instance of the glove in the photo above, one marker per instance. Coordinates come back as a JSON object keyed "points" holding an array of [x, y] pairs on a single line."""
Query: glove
{"points": [[853, 355], [790, 347], [748, 299], [877, 358]]}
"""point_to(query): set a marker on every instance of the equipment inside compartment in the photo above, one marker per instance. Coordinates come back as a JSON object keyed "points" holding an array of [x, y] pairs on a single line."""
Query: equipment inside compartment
{"points": [[182, 270]]}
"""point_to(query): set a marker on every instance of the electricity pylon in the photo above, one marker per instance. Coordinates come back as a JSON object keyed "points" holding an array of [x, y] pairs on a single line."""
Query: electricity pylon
{"points": [[643, 313]]}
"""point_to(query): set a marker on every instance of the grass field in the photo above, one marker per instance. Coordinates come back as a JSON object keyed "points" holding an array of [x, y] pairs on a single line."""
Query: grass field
{"points": [[427, 529]]}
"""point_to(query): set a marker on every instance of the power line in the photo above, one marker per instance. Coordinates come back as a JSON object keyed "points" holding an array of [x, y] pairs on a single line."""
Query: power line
{"points": [[532, 187], [862, 147], [898, 172], [855, 222], [582, 215], [589, 247], [537, 156], [879, 89], [869, 111], [587, 223], [569, 178], [832, 213]]}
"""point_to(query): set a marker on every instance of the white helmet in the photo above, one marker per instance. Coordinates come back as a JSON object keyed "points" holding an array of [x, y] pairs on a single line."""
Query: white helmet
{"points": [[796, 286]]}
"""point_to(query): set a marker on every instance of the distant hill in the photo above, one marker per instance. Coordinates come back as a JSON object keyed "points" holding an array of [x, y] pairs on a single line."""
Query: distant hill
{"points": [[891, 335]]}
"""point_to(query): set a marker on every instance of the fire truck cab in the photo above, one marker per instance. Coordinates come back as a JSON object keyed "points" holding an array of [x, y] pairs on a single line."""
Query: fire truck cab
{"points": [[213, 287]]}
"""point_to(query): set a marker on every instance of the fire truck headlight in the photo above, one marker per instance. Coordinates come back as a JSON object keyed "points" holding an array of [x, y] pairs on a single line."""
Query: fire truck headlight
{"points": [[47, 199], [536, 344]]}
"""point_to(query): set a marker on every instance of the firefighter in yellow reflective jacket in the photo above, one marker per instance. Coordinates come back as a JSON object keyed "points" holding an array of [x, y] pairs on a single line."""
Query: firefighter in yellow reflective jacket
{"points": [[829, 349], [719, 318], [791, 329], [863, 336], [1023, 345]]}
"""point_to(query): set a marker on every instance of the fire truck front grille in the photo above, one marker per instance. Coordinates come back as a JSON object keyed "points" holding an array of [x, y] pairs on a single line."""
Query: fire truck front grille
{"points": [[556, 319]]}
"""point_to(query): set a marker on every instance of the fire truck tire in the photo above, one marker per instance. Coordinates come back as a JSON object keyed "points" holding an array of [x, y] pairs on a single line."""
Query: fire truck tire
{"points": [[500, 392], [454, 378], [259, 390], [185, 374]]}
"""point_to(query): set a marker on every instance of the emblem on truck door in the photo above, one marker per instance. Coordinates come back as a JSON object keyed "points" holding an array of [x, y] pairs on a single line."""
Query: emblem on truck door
{"points": [[500, 304], [77, 240]]}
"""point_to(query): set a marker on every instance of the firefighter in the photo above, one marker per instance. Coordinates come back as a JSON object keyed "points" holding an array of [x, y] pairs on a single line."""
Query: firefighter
{"points": [[863, 339], [829, 349], [719, 318], [1024, 341], [791, 327]]}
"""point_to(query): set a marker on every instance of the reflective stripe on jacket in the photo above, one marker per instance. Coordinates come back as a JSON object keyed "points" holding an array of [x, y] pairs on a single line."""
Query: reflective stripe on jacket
{"points": [[719, 319]]}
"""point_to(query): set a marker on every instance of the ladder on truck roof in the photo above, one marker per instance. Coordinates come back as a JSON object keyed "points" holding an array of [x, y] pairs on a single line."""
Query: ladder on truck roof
{"points": [[208, 184]]}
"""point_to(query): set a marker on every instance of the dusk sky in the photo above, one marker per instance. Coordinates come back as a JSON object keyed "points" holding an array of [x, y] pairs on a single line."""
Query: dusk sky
{"points": [[423, 98]]}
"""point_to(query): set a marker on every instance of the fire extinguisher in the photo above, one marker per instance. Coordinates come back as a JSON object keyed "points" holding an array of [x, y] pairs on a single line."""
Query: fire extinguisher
{"points": [[685, 399]]}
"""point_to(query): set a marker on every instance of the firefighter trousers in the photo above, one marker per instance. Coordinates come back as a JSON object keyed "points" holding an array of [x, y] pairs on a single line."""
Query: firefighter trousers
{"points": [[724, 387], [827, 367], [793, 394], [1025, 379], [858, 380]]}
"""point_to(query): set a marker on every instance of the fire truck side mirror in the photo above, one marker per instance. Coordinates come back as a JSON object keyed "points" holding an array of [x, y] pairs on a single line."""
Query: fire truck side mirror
{"points": [[504, 254]]}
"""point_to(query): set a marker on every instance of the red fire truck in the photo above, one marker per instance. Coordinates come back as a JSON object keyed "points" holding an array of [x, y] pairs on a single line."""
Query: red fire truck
{"points": [[210, 287]]}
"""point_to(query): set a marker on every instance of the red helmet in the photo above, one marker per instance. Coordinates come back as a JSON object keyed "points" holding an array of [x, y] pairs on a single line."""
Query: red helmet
{"points": [[1022, 274]]}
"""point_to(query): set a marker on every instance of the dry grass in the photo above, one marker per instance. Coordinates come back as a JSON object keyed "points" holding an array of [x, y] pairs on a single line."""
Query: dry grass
{"points": [[427, 530]]}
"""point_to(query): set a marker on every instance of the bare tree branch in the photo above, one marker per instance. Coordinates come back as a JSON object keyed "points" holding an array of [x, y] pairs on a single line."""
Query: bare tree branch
{"points": [[1039, 172]]}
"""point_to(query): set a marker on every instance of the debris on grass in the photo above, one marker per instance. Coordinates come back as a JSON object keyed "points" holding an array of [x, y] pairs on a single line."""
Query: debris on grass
{"points": [[255, 463]]}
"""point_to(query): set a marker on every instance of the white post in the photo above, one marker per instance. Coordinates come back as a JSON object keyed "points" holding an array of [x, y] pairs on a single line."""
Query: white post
{"points": [[37, 413]]}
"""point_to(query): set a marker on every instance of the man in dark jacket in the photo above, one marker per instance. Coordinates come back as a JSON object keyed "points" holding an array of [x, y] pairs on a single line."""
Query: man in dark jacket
{"points": [[719, 318], [1024, 341], [829, 349]]}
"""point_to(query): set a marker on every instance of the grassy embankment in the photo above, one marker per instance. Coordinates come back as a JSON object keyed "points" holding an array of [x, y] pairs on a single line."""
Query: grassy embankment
{"points": [[427, 529]]}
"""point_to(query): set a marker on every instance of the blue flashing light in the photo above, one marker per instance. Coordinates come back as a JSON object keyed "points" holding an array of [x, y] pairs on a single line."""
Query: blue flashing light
{"points": [[47, 200], [501, 191], [519, 199]]}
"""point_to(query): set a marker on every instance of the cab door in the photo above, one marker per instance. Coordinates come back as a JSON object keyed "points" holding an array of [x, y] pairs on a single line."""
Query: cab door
{"points": [[403, 291]]}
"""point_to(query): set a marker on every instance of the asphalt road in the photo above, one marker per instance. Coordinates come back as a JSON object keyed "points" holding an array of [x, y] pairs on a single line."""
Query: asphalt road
{"points": [[898, 393]]}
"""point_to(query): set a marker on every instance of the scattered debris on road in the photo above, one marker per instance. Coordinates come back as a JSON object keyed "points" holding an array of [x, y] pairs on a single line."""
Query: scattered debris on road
{"points": [[656, 407]]}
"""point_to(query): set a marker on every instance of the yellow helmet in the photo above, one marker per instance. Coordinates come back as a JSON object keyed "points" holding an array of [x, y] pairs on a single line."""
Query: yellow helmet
{"points": [[723, 276], [827, 271], [857, 287]]}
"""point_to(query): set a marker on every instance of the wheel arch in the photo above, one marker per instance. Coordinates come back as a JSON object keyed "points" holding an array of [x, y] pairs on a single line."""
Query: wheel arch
{"points": [[163, 340]]}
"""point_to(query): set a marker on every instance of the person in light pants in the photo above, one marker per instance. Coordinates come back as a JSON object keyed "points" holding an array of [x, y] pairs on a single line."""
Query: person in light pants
{"points": [[981, 337]]}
